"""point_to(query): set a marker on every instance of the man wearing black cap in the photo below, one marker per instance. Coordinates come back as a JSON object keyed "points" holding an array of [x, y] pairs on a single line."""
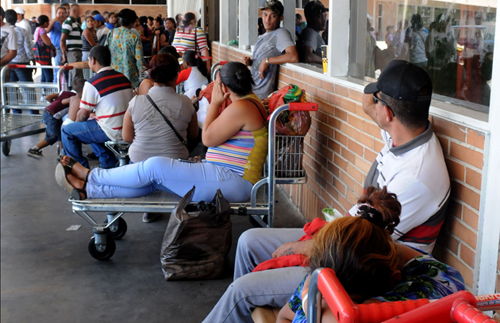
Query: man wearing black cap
{"points": [[411, 165], [310, 42], [269, 48]]}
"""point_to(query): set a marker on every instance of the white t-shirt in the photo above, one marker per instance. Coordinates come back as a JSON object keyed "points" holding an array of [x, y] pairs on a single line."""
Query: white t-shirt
{"points": [[193, 80], [153, 136], [26, 25], [416, 172], [8, 40]]}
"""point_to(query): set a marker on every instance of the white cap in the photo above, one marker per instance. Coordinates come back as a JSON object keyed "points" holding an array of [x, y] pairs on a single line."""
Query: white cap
{"points": [[19, 10]]}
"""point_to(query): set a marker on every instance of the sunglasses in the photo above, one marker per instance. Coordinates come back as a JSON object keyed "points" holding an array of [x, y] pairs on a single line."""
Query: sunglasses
{"points": [[377, 100]]}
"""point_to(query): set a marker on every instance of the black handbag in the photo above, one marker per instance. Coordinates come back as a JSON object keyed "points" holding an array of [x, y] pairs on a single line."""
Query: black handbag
{"points": [[42, 52]]}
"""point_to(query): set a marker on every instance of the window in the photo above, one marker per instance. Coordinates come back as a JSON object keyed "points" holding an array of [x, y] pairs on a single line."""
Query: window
{"points": [[452, 40]]}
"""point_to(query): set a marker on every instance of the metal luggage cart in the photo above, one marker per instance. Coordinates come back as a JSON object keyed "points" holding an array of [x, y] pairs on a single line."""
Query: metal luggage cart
{"points": [[288, 170], [25, 96]]}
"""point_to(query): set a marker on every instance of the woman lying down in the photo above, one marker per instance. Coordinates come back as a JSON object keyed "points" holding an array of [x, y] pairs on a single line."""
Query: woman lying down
{"points": [[370, 266], [237, 138]]}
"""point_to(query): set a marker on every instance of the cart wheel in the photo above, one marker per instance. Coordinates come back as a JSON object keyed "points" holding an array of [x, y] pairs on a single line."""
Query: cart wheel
{"points": [[105, 254], [6, 147], [118, 229], [256, 224]]}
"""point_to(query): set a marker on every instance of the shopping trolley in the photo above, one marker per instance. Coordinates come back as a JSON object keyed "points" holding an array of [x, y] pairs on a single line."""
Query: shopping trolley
{"points": [[216, 69], [260, 208], [460, 307], [26, 96]]}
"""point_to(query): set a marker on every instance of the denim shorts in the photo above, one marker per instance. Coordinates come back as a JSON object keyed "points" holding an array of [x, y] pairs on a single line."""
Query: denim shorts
{"points": [[52, 128]]}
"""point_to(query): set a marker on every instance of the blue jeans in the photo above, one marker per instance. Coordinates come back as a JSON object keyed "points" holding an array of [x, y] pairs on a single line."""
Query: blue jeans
{"points": [[47, 75], [272, 287], [87, 132], [52, 127], [167, 174], [22, 75], [57, 61]]}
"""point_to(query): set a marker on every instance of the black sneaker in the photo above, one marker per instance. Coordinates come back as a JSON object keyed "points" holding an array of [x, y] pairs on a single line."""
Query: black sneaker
{"points": [[35, 153]]}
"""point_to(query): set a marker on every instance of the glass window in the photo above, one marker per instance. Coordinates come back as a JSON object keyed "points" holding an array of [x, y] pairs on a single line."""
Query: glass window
{"points": [[113, 1], [32, 1], [163, 2], [17, 1], [451, 39]]}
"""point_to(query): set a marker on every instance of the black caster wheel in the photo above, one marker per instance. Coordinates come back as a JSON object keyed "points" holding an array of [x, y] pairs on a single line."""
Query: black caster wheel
{"points": [[118, 229], [6, 148], [102, 252], [254, 222]]}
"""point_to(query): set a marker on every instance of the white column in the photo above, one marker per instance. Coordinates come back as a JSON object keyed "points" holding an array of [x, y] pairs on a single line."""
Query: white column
{"points": [[489, 220], [248, 23], [289, 14], [338, 38], [228, 17]]}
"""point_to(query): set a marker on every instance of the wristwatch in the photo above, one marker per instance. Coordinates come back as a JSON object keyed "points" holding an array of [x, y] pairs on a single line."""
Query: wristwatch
{"points": [[267, 61]]}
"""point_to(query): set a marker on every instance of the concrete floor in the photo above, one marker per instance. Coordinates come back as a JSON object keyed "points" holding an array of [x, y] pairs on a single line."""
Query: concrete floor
{"points": [[47, 274]]}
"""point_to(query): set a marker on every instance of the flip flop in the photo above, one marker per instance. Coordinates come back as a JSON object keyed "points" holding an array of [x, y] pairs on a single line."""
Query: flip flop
{"points": [[61, 179]]}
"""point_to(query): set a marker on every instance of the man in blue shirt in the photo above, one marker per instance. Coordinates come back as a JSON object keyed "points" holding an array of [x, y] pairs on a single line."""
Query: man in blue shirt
{"points": [[54, 30]]}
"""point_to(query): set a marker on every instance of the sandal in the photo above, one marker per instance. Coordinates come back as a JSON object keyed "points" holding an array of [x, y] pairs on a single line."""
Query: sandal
{"points": [[61, 178]]}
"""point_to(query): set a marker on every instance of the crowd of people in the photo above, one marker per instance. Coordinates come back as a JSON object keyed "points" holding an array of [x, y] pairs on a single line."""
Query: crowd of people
{"points": [[381, 251]]}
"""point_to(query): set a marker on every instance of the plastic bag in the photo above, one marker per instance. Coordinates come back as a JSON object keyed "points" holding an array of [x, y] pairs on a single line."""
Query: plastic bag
{"points": [[197, 240]]}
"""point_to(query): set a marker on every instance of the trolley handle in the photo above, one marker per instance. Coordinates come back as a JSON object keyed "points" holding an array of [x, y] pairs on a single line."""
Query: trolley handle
{"points": [[67, 67], [299, 106]]}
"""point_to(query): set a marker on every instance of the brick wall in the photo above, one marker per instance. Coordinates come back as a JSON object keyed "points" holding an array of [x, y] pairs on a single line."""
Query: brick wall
{"points": [[343, 142]]}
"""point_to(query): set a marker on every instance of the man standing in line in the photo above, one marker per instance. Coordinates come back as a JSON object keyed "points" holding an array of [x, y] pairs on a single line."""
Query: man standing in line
{"points": [[310, 42], [24, 23], [268, 53], [55, 29], [101, 29], [108, 92], [71, 40], [8, 41]]}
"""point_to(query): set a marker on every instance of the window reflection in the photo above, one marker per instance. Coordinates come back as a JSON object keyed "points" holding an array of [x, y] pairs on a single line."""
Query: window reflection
{"points": [[451, 39]]}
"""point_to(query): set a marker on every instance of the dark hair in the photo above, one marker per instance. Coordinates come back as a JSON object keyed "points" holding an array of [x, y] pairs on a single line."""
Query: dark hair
{"points": [[151, 18], [158, 20], [105, 12], [42, 19], [61, 7], [74, 5], [193, 59], [101, 54], [95, 12], [169, 49], [188, 17], [177, 18], [89, 17], [78, 84], [143, 20], [10, 16], [2, 12], [413, 115], [164, 68], [127, 17], [173, 21], [416, 22], [360, 250], [298, 16], [237, 77]]}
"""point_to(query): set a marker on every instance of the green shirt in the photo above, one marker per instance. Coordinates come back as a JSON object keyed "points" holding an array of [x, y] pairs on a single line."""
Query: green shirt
{"points": [[74, 34]]}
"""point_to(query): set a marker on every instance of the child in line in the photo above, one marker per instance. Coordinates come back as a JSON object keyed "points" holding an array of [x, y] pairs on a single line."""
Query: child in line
{"points": [[370, 266], [54, 113]]}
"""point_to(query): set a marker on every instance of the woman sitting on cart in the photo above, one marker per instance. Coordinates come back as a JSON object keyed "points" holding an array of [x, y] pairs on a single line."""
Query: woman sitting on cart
{"points": [[237, 138]]}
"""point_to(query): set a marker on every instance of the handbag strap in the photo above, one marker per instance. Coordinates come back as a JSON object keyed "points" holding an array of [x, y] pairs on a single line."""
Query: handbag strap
{"points": [[184, 141]]}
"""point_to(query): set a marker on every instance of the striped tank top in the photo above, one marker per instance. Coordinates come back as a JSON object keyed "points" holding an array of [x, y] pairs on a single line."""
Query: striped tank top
{"points": [[245, 153]]}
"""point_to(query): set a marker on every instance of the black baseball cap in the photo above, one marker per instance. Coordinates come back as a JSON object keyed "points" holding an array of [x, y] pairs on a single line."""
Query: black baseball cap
{"points": [[314, 8], [275, 6], [404, 81]]}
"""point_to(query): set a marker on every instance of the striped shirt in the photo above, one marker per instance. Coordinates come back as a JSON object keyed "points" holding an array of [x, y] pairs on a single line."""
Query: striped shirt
{"points": [[108, 92], [184, 40], [74, 33]]}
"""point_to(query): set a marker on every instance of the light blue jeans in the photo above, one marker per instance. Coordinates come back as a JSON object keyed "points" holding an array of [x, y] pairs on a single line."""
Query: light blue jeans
{"points": [[272, 287], [171, 175]]}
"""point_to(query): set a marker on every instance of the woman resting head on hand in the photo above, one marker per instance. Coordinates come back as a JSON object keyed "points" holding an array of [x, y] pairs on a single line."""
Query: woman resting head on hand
{"points": [[368, 264]]}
